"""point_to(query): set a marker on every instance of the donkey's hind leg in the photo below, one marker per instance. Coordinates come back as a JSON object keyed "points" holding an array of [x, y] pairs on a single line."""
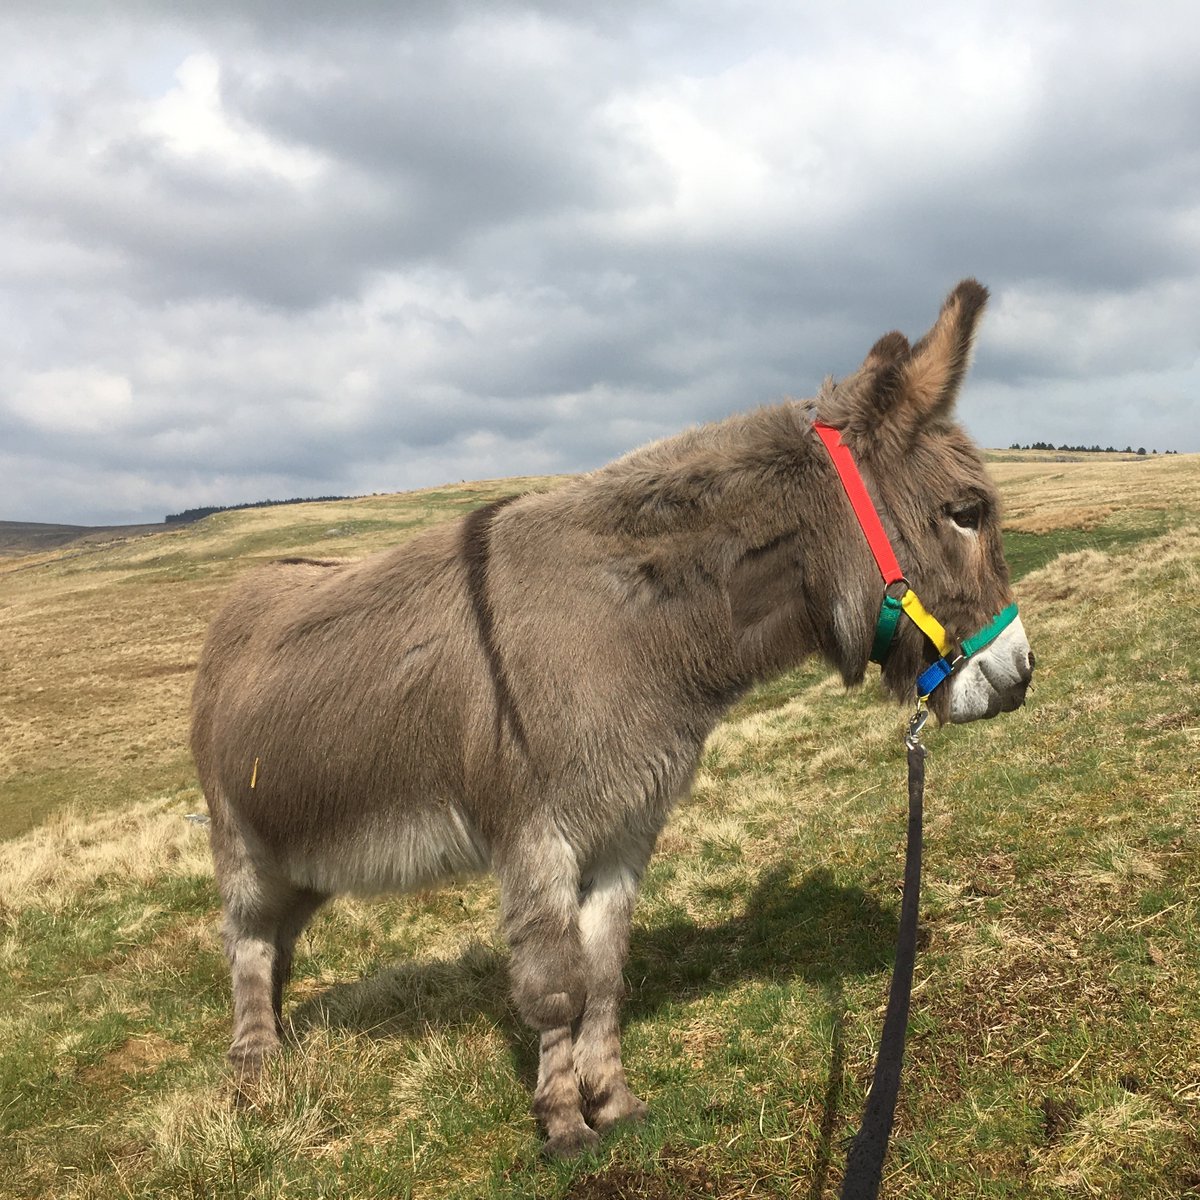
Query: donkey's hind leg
{"points": [[610, 892], [291, 925], [540, 897], [264, 914]]}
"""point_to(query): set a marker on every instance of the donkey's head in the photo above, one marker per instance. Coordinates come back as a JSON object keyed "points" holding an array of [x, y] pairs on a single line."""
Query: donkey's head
{"points": [[896, 414]]}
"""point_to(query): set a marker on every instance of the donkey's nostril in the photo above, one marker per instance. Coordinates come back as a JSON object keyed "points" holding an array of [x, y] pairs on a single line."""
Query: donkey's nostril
{"points": [[1032, 660]]}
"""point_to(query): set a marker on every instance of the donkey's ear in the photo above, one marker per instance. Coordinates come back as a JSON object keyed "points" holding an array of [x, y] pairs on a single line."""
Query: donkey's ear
{"points": [[890, 351], [930, 379]]}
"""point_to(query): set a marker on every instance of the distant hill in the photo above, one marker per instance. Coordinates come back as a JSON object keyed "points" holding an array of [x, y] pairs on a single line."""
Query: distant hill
{"points": [[34, 537]]}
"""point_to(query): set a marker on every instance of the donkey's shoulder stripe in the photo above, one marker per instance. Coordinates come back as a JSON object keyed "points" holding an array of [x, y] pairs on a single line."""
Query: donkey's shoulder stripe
{"points": [[860, 501], [476, 550]]}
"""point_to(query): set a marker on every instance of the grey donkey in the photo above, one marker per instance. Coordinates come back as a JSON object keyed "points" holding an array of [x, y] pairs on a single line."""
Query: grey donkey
{"points": [[529, 689]]}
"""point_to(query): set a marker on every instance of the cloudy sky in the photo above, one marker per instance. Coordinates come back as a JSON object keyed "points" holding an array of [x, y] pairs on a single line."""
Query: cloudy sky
{"points": [[298, 248]]}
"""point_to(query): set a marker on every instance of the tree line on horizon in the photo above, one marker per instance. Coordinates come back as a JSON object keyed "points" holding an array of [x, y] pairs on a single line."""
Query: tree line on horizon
{"points": [[196, 514], [1085, 449]]}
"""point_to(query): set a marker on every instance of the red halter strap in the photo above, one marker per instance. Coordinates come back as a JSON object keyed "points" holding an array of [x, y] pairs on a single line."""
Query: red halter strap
{"points": [[860, 501]]}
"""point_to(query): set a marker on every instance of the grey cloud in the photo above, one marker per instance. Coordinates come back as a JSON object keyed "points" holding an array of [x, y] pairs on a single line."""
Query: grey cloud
{"points": [[471, 239]]}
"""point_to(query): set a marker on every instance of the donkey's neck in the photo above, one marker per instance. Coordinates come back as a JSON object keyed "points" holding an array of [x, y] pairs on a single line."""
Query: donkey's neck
{"points": [[745, 518]]}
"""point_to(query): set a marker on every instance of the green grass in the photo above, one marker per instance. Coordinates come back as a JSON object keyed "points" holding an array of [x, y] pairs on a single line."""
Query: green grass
{"points": [[1053, 1041], [1027, 552]]}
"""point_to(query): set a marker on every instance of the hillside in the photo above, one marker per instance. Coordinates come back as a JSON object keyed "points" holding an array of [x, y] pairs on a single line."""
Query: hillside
{"points": [[1054, 1048], [19, 538]]}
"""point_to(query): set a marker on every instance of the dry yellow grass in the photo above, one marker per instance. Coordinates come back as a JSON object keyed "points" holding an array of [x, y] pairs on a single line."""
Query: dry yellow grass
{"points": [[1044, 492], [300, 1111], [1097, 1146], [53, 865], [1085, 516]]}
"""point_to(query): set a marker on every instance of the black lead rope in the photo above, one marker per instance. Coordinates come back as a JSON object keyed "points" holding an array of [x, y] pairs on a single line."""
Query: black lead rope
{"points": [[864, 1163]]}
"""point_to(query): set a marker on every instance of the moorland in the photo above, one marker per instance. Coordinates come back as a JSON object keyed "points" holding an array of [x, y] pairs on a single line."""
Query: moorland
{"points": [[1054, 1046]]}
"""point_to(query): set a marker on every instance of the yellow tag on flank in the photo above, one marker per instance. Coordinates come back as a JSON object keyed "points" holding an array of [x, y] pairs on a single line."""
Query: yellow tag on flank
{"points": [[926, 622], [254, 775]]}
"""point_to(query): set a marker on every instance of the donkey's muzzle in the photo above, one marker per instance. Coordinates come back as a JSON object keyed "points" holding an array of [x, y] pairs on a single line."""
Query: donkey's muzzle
{"points": [[995, 680]]}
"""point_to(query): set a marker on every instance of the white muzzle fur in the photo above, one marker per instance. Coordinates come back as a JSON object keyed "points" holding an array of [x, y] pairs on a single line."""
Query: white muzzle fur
{"points": [[995, 680]]}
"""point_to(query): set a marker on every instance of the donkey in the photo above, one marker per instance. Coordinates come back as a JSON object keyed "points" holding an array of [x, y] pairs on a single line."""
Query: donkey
{"points": [[529, 689]]}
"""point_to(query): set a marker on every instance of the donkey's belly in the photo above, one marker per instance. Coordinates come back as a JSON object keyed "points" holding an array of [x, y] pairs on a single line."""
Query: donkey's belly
{"points": [[392, 852]]}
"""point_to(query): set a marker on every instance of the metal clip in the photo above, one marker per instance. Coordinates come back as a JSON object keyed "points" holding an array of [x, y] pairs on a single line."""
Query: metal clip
{"points": [[912, 739]]}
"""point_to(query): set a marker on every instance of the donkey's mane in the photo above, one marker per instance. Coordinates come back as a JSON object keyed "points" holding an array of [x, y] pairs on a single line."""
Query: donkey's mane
{"points": [[681, 481]]}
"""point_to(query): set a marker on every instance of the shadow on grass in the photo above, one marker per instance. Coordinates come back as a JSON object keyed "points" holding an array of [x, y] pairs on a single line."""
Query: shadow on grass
{"points": [[812, 929], [831, 1109]]}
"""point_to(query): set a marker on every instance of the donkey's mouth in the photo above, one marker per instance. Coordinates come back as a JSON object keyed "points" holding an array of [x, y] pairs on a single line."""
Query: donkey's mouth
{"points": [[1009, 701], [983, 705]]}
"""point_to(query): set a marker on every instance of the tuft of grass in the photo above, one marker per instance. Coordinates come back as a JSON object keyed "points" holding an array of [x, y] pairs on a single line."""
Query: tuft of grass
{"points": [[72, 856]]}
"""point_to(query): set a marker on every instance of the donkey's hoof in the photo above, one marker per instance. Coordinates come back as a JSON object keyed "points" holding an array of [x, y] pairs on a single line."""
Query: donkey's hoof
{"points": [[622, 1108], [246, 1068], [246, 1059], [571, 1143]]}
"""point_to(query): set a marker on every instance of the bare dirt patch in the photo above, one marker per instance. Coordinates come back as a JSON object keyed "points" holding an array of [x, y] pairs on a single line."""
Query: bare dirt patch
{"points": [[138, 1056], [671, 1179]]}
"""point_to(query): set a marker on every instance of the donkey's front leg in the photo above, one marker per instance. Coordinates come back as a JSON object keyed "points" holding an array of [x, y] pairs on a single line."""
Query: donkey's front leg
{"points": [[607, 909], [540, 901]]}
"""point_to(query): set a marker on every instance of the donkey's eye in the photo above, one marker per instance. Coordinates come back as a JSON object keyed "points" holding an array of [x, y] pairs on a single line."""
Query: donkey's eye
{"points": [[966, 516]]}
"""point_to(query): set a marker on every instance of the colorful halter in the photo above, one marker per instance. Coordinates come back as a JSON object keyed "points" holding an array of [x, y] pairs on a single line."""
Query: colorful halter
{"points": [[898, 595]]}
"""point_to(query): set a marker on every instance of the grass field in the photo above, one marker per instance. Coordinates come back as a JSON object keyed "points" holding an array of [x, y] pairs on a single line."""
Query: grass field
{"points": [[1055, 1034]]}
